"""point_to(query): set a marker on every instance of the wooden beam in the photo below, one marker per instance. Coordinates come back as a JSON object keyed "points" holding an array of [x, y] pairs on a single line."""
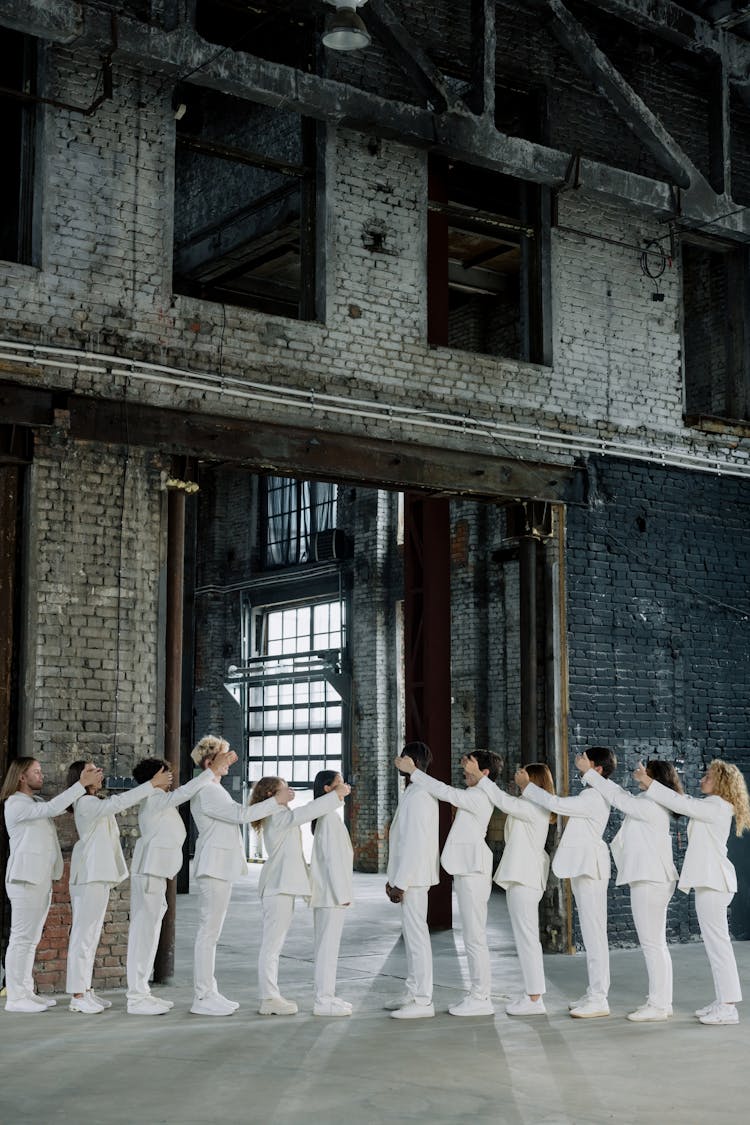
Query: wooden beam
{"points": [[406, 51]]}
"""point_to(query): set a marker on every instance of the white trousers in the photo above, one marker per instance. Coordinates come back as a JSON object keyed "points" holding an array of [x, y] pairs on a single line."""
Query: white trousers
{"points": [[29, 904], [649, 902], [148, 905], [523, 908], [472, 893], [591, 903], [89, 902], [417, 944], [213, 903], [278, 911], [328, 922], [711, 907]]}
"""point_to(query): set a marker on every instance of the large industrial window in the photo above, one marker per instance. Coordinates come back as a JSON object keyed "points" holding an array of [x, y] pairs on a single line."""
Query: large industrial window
{"points": [[715, 292], [244, 214], [300, 521], [485, 262], [295, 691], [18, 75]]}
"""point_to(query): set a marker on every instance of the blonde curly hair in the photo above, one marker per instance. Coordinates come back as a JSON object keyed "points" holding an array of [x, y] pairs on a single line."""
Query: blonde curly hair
{"points": [[730, 785], [207, 749]]}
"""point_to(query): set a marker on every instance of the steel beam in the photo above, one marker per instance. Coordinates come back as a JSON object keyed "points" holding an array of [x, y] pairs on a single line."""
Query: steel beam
{"points": [[481, 99], [406, 51]]}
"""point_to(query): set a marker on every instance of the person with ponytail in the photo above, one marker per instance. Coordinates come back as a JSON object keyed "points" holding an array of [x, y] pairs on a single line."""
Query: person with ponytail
{"points": [[707, 870], [284, 876], [642, 851], [331, 880], [35, 861]]}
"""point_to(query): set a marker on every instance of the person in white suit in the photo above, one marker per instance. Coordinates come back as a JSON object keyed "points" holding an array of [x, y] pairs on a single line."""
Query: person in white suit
{"points": [[522, 873], [157, 857], [583, 857], [642, 851], [284, 876], [331, 881], [414, 867], [707, 870], [219, 860], [34, 862], [468, 859], [97, 865]]}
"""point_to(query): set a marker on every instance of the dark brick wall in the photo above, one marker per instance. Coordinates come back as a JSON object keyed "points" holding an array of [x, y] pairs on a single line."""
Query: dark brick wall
{"points": [[659, 634]]}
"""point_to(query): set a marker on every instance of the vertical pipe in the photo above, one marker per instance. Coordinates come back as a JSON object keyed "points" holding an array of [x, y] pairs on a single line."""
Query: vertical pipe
{"points": [[164, 964], [528, 613]]}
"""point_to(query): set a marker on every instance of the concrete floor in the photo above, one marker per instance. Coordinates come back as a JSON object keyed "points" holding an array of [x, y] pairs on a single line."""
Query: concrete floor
{"points": [[546, 1070]]}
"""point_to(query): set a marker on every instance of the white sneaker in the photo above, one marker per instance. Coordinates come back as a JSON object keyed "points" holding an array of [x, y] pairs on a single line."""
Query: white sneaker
{"points": [[99, 999], [472, 1006], [45, 1001], [232, 1003], [147, 1006], [278, 1006], [26, 1005], [399, 1002], [648, 1013], [413, 1011], [721, 1013], [708, 1008], [525, 1006], [86, 1005], [591, 1010], [169, 1003], [212, 1006], [579, 1003], [334, 1007]]}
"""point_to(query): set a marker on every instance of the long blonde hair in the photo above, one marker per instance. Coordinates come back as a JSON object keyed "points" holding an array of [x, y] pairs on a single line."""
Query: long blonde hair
{"points": [[730, 785], [262, 790], [12, 780]]}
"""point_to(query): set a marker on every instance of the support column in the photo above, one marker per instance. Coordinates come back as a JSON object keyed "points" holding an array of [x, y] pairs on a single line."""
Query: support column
{"points": [[528, 622], [427, 634]]}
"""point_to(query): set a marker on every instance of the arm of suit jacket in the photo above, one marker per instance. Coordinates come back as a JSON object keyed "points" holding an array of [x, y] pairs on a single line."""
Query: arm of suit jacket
{"points": [[695, 807], [583, 804], [216, 806], [513, 806], [460, 798], [188, 790], [414, 826], [618, 797], [90, 811], [319, 807], [20, 811]]}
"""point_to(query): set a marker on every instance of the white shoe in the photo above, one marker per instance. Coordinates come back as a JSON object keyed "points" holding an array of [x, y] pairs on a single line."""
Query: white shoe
{"points": [[334, 1007], [399, 1002], [26, 1005], [721, 1013], [579, 1003], [472, 1006], [413, 1011], [169, 1003], [648, 1013], [86, 1005], [99, 999], [277, 1006], [525, 1006], [45, 1001], [147, 1006], [591, 1010], [232, 1003], [212, 1006], [708, 1008]]}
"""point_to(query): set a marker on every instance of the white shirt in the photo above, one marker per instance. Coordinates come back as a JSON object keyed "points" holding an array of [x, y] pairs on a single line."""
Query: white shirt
{"points": [[158, 850], [285, 871], [581, 850], [413, 841], [525, 860], [706, 863], [331, 862], [219, 851], [35, 855], [642, 849], [97, 855], [465, 851]]}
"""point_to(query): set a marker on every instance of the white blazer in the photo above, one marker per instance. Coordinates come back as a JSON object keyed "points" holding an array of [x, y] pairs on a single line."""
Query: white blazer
{"points": [[581, 850], [524, 859], [413, 841], [465, 851], [706, 863], [158, 850], [331, 862], [642, 849], [285, 871], [97, 854], [35, 855], [219, 851]]}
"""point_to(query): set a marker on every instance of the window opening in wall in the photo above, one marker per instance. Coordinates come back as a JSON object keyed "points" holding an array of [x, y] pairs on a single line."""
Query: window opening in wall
{"points": [[484, 262], [715, 292], [299, 524], [244, 215], [18, 67]]}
